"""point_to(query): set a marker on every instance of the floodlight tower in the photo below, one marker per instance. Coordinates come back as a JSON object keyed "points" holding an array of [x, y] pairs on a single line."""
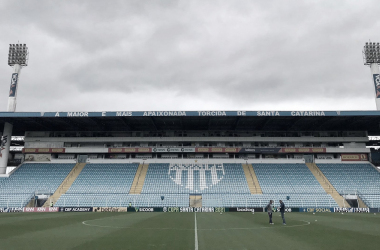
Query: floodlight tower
{"points": [[371, 56], [17, 58]]}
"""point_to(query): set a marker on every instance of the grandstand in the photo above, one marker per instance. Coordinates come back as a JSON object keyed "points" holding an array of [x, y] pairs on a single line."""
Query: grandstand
{"points": [[192, 159]]}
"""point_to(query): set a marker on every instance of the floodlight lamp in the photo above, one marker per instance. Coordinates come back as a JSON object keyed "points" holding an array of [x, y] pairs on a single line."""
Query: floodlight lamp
{"points": [[371, 53], [18, 54]]}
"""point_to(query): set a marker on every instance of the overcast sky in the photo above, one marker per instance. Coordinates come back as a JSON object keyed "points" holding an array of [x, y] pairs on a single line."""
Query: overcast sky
{"points": [[190, 55]]}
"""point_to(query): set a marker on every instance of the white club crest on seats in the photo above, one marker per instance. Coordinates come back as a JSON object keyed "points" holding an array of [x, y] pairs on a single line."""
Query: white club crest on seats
{"points": [[196, 177]]}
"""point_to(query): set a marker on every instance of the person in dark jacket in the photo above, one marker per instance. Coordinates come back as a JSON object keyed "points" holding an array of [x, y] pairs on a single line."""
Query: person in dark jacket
{"points": [[269, 210], [282, 211]]}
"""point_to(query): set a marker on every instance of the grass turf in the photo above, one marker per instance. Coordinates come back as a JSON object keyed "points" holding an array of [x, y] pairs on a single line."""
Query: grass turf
{"points": [[176, 231]]}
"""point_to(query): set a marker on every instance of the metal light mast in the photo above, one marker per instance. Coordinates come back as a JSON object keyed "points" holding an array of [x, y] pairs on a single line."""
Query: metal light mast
{"points": [[17, 58], [371, 56]]}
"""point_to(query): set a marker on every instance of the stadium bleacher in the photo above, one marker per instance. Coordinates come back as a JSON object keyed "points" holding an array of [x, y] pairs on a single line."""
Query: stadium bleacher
{"points": [[195, 178], [372, 200], [19, 188], [352, 177], [287, 178], [277, 181], [255, 200], [360, 179], [121, 200], [222, 184], [219, 185], [108, 183]]}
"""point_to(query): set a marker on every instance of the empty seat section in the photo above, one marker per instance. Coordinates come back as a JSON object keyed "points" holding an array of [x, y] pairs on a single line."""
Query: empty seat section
{"points": [[287, 178], [372, 200], [122, 200], [261, 200], [277, 181], [195, 178], [350, 178], [17, 190], [109, 183]]}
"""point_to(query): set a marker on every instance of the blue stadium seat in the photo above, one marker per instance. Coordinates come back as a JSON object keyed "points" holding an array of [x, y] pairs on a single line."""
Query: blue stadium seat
{"points": [[19, 188], [362, 179], [100, 185]]}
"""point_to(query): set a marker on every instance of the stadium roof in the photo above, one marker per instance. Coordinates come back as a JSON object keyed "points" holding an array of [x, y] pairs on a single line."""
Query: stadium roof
{"points": [[193, 120]]}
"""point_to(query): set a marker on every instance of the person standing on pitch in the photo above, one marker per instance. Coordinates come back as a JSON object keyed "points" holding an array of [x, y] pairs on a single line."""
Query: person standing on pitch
{"points": [[282, 211], [269, 210]]}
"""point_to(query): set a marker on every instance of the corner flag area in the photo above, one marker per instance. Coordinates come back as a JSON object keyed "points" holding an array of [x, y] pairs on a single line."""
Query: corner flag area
{"points": [[188, 231]]}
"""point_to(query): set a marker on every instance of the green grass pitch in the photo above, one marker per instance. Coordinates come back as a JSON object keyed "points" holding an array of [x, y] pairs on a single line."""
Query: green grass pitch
{"points": [[177, 231]]}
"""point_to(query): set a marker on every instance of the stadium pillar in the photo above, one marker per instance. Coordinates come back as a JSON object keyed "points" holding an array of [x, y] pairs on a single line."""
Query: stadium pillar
{"points": [[376, 80], [5, 145], [13, 89]]}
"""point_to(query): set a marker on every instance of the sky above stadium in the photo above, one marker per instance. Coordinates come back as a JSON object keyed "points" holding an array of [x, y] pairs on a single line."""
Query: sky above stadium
{"points": [[190, 55]]}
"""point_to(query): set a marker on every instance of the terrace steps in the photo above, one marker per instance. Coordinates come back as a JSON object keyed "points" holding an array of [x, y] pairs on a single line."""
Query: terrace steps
{"points": [[253, 182], [361, 202], [326, 185], [138, 181], [66, 184], [195, 200], [30, 203]]}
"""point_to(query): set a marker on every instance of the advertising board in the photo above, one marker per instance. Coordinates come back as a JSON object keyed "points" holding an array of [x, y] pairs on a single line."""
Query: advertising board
{"points": [[354, 157], [40, 209], [109, 209], [38, 157], [75, 209], [245, 209], [43, 150], [351, 210], [316, 209], [11, 210], [194, 209]]}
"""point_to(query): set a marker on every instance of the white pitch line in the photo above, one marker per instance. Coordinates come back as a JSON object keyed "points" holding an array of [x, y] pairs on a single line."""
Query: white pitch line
{"points": [[196, 232]]}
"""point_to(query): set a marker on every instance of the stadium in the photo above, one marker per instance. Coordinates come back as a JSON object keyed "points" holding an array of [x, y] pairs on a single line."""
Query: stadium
{"points": [[189, 179]]}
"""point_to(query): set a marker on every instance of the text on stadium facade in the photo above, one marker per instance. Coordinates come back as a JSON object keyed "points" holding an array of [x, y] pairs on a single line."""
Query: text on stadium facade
{"points": [[213, 113]]}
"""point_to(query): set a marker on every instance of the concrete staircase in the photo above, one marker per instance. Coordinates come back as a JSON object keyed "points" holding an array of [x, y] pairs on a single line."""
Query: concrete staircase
{"points": [[66, 184], [31, 203], [138, 181], [195, 200], [361, 203], [327, 186], [253, 182]]}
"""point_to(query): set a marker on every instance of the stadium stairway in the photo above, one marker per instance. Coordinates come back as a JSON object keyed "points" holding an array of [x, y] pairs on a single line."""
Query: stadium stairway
{"points": [[195, 200], [326, 185], [138, 181], [66, 184], [31, 203], [361, 203], [253, 183]]}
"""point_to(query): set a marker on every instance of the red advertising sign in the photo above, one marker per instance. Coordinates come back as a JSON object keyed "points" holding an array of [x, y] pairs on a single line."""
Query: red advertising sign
{"points": [[217, 150], [43, 150], [303, 150], [129, 150], [354, 157]]}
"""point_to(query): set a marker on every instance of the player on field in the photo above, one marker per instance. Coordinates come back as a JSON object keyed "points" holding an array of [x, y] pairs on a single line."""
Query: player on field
{"points": [[269, 210], [282, 211]]}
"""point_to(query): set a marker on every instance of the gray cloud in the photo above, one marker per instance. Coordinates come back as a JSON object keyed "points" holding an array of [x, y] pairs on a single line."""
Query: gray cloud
{"points": [[174, 55]]}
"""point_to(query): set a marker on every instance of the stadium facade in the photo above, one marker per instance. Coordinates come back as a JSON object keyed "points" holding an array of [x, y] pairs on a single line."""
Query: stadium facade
{"points": [[316, 159]]}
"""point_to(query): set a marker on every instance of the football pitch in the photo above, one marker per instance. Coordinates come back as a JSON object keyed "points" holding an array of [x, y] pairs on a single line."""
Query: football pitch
{"points": [[188, 231]]}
